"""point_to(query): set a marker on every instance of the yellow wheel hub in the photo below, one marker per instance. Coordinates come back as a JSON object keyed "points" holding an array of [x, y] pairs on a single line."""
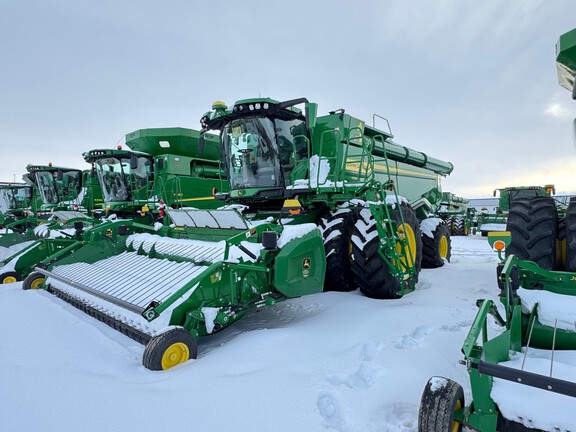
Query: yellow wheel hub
{"points": [[406, 232], [443, 247], [9, 279], [37, 283], [455, 424], [175, 354]]}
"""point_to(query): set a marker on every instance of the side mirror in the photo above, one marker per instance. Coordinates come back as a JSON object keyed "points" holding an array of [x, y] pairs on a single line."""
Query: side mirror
{"points": [[133, 162], [59, 175], [311, 112], [201, 143], [160, 163]]}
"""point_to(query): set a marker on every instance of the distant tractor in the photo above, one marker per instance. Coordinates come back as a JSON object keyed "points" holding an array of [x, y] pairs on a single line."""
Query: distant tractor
{"points": [[487, 222]]}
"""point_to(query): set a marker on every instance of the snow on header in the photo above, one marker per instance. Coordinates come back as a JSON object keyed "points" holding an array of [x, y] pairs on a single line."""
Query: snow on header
{"points": [[292, 232], [554, 310]]}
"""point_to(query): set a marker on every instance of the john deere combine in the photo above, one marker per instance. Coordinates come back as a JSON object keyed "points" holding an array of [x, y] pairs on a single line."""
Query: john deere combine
{"points": [[136, 185], [15, 202], [161, 170], [537, 347], [311, 198]]}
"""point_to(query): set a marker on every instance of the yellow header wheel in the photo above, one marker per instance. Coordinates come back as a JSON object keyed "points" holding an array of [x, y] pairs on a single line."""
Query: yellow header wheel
{"points": [[37, 283], [9, 279], [174, 355]]}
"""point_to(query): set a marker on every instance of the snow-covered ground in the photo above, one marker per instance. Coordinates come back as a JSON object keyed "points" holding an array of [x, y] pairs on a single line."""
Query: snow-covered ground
{"points": [[331, 361]]}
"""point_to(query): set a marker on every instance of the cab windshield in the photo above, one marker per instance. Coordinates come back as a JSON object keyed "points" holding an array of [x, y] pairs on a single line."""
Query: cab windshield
{"points": [[260, 152], [56, 186], [119, 181], [15, 197]]}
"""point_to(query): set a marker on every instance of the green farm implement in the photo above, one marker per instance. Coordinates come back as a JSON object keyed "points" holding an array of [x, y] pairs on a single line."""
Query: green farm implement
{"points": [[523, 377], [162, 169], [313, 203], [457, 214]]}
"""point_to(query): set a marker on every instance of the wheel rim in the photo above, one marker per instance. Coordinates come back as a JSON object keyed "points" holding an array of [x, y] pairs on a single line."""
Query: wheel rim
{"points": [[443, 247], [175, 354], [406, 232], [9, 279], [37, 283], [455, 426]]}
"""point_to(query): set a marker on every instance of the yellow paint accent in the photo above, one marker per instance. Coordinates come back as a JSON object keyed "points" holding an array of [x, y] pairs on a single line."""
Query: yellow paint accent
{"points": [[443, 249], [199, 199], [37, 283], [455, 424], [355, 166], [175, 354], [405, 231], [9, 279], [291, 203]]}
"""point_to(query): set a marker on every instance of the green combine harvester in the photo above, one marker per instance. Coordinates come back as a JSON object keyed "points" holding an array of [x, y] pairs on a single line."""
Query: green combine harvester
{"points": [[537, 347], [15, 202], [161, 170], [457, 214], [313, 203], [137, 185]]}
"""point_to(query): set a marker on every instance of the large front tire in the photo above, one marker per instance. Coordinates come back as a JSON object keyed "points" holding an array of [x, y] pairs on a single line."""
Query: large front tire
{"points": [[436, 249], [337, 229], [169, 349], [533, 225], [441, 398], [373, 275]]}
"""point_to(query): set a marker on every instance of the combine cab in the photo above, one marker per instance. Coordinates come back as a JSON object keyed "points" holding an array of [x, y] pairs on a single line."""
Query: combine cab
{"points": [[15, 202]]}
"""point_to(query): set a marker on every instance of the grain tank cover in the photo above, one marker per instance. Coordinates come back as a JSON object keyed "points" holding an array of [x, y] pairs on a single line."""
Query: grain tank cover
{"points": [[174, 141], [566, 60]]}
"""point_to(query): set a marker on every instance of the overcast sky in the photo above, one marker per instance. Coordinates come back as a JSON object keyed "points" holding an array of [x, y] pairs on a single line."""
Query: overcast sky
{"points": [[466, 81]]}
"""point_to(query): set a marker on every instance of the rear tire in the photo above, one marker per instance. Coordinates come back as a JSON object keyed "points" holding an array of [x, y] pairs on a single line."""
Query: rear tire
{"points": [[169, 349], [571, 236], [533, 225], [10, 277], [436, 249], [459, 226], [337, 229], [373, 275], [441, 398]]}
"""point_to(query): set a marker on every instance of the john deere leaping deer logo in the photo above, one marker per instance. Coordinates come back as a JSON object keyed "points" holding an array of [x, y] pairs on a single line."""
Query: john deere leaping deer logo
{"points": [[306, 263]]}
